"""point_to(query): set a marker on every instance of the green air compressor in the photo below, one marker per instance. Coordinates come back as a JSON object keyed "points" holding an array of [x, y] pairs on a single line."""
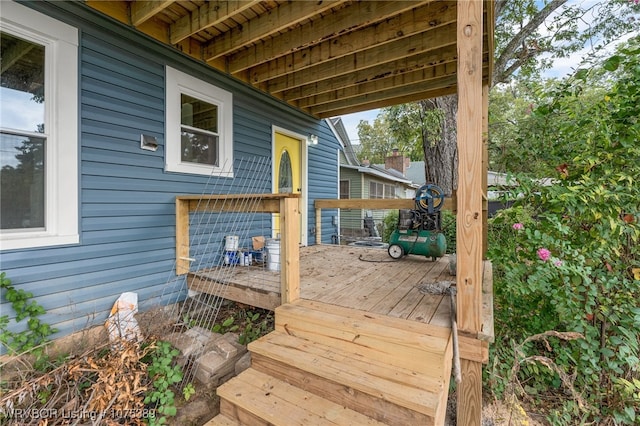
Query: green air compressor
{"points": [[419, 230]]}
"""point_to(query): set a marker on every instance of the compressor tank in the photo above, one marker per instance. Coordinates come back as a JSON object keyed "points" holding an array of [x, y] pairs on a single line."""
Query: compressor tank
{"points": [[421, 242]]}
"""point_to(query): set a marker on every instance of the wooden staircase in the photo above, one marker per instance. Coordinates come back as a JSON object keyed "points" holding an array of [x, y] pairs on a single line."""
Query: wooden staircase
{"points": [[329, 365]]}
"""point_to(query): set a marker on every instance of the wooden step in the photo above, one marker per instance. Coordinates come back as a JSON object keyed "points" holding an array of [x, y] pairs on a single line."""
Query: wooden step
{"points": [[255, 398], [222, 420], [412, 345], [390, 394]]}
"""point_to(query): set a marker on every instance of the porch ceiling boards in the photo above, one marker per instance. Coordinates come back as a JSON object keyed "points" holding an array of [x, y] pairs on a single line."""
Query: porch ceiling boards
{"points": [[325, 57]]}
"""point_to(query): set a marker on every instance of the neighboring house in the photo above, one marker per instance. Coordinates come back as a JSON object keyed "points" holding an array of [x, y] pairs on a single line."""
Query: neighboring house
{"points": [[362, 180], [95, 216], [496, 184]]}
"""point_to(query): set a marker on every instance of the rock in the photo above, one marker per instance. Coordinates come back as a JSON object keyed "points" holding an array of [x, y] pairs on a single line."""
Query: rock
{"points": [[218, 363], [243, 363], [190, 343]]}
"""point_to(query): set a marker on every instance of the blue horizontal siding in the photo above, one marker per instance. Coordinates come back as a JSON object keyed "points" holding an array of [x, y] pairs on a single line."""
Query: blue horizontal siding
{"points": [[127, 199], [97, 210], [72, 267], [82, 252], [141, 235]]}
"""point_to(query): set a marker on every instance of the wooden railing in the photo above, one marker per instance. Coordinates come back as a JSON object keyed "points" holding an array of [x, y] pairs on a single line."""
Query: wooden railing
{"points": [[287, 205], [367, 204]]}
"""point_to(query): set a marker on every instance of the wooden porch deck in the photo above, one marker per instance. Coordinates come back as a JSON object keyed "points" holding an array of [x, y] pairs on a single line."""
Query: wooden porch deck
{"points": [[354, 277], [366, 343]]}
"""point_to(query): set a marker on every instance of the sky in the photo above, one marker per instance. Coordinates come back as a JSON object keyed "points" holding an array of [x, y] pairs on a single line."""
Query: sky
{"points": [[18, 111]]}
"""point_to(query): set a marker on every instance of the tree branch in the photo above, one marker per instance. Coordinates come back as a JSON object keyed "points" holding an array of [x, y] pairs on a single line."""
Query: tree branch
{"points": [[519, 62], [509, 51], [499, 6]]}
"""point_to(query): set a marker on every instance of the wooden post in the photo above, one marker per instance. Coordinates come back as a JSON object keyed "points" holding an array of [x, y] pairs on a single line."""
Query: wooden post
{"points": [[318, 226], [289, 249], [469, 217], [182, 237], [485, 168]]}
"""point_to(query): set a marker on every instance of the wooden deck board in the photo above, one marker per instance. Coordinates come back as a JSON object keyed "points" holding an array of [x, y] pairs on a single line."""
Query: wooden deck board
{"points": [[282, 404], [354, 277], [435, 310]]}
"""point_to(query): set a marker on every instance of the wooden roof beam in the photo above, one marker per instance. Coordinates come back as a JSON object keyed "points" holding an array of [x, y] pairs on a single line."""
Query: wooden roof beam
{"points": [[388, 53], [390, 32], [329, 28], [207, 16], [142, 11], [408, 64], [439, 76], [444, 83], [381, 103], [279, 19], [328, 66]]}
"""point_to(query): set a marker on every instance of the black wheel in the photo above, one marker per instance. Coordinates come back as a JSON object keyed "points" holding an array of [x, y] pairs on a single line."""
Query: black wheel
{"points": [[395, 251]]}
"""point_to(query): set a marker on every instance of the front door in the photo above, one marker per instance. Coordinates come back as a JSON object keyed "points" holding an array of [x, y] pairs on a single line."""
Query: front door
{"points": [[288, 173]]}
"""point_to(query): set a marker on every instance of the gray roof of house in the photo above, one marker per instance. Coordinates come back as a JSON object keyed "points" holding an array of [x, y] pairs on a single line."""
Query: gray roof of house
{"points": [[343, 137]]}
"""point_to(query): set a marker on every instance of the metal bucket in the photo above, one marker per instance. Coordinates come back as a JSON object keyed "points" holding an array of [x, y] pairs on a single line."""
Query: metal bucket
{"points": [[273, 255]]}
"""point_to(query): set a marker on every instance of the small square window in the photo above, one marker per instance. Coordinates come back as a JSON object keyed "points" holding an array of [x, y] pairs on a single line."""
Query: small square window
{"points": [[199, 137]]}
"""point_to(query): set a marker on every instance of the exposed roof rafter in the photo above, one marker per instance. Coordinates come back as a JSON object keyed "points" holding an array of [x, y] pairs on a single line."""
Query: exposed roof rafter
{"points": [[325, 57]]}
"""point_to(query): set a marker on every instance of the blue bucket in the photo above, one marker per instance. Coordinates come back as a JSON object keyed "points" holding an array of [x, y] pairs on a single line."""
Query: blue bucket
{"points": [[231, 257], [257, 256]]}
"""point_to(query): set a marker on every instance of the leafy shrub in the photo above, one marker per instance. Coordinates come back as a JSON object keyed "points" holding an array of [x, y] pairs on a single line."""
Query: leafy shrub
{"points": [[36, 333], [448, 225], [390, 224], [164, 374], [567, 257]]}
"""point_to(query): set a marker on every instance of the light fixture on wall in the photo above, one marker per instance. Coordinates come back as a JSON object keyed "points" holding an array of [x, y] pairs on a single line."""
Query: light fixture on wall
{"points": [[312, 139], [150, 143]]}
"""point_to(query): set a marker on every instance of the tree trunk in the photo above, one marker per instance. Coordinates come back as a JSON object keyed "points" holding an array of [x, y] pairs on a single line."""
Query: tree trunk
{"points": [[440, 148]]}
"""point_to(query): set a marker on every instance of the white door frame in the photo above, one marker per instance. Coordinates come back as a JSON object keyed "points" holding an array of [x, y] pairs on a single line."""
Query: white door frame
{"points": [[304, 196]]}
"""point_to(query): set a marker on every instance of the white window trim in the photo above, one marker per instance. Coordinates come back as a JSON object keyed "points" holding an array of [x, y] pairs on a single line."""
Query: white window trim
{"points": [[61, 125], [178, 83]]}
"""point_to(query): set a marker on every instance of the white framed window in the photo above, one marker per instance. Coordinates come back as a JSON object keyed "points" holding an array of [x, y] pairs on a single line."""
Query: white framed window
{"points": [[199, 126], [38, 130]]}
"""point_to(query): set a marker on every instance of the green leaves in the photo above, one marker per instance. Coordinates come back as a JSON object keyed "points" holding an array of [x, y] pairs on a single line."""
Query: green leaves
{"points": [[35, 333], [164, 373], [588, 221], [612, 63]]}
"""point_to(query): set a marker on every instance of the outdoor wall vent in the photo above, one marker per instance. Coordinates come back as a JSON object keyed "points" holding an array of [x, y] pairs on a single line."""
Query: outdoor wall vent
{"points": [[150, 143]]}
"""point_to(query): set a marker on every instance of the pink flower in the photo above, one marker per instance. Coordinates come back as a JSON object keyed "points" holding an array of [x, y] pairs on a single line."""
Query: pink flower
{"points": [[518, 226], [544, 254], [558, 263]]}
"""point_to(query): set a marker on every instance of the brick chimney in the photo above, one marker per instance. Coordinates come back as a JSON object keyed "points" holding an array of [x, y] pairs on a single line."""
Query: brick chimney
{"points": [[396, 161]]}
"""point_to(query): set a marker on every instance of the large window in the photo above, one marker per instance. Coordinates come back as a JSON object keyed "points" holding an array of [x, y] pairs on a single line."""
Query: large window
{"points": [[199, 126], [38, 130], [380, 190]]}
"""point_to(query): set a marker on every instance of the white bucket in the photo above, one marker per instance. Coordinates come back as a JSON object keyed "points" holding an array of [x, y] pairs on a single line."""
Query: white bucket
{"points": [[231, 242], [273, 255]]}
